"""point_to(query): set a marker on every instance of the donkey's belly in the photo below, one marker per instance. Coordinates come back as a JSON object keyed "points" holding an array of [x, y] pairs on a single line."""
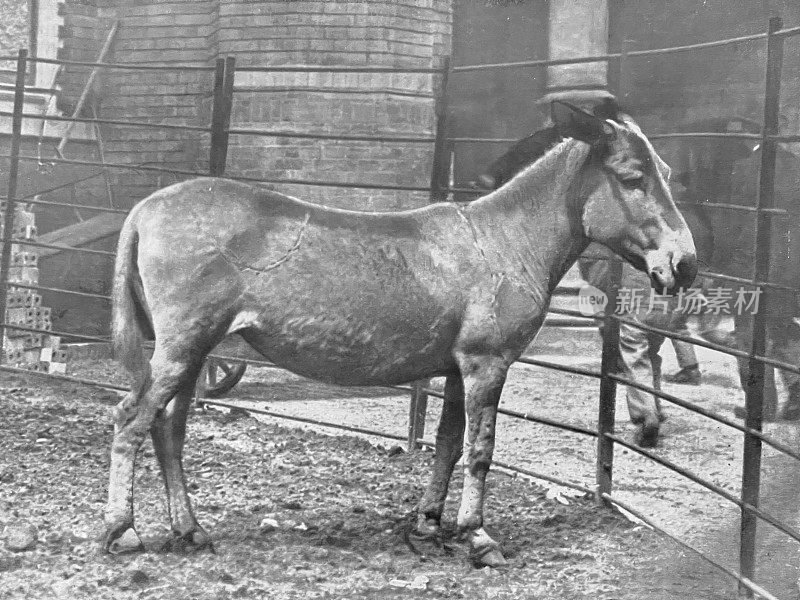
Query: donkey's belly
{"points": [[349, 352]]}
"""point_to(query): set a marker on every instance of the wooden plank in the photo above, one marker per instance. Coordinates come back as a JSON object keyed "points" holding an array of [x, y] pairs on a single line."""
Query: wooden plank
{"points": [[80, 234]]}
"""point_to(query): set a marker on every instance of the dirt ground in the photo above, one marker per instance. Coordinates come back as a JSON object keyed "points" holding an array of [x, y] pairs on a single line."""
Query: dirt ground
{"points": [[311, 513]]}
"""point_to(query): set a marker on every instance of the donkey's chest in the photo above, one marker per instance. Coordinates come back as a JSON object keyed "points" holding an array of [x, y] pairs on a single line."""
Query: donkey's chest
{"points": [[505, 318]]}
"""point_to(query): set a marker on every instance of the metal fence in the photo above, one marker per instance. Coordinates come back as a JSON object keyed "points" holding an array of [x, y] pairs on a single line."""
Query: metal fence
{"points": [[440, 189]]}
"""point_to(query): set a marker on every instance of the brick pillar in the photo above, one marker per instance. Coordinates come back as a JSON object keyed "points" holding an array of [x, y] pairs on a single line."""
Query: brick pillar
{"points": [[577, 28]]}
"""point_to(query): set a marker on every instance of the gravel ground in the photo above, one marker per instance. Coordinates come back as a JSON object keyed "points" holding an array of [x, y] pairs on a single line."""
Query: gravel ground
{"points": [[309, 513]]}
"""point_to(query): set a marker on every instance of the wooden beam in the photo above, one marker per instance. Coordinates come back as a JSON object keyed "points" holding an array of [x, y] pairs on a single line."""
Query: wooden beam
{"points": [[87, 88], [80, 234]]}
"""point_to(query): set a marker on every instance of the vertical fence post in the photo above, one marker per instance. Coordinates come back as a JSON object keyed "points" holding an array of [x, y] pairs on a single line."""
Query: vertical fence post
{"points": [[440, 183], [440, 169], [418, 408], [221, 114], [13, 175], [754, 388], [608, 387]]}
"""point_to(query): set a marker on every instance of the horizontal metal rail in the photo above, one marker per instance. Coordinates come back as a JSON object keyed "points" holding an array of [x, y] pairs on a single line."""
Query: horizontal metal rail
{"points": [[100, 384], [650, 523], [60, 247], [337, 184], [547, 62], [788, 32], [719, 491], [650, 136], [747, 281], [743, 135], [480, 140], [570, 312], [13, 284], [740, 207], [672, 399], [545, 421], [710, 345], [279, 89], [272, 413], [120, 66], [119, 211], [542, 62], [332, 69], [734, 207], [332, 136], [119, 122], [60, 186], [526, 360], [89, 163], [538, 475], [424, 390], [88, 338], [311, 182]]}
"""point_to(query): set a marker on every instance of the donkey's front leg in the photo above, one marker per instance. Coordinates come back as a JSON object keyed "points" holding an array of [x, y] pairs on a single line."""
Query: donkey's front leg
{"points": [[483, 382]]}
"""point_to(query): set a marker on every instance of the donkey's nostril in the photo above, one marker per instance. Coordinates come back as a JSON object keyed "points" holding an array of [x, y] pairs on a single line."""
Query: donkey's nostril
{"points": [[659, 278], [685, 271]]}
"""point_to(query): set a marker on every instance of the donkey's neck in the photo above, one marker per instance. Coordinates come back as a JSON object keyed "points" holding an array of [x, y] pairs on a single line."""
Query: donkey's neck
{"points": [[531, 228]]}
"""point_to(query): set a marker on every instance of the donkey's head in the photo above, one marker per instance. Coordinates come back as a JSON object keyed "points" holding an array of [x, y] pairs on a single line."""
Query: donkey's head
{"points": [[624, 197]]}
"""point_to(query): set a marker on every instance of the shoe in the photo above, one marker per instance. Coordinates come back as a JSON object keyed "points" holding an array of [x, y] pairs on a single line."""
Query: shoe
{"points": [[791, 410], [686, 376], [768, 416]]}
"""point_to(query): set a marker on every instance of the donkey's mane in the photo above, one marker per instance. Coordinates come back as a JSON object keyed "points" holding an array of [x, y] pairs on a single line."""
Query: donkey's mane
{"points": [[523, 186]]}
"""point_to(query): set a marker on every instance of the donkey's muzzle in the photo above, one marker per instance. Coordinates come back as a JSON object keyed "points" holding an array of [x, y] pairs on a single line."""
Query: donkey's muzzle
{"points": [[678, 275]]}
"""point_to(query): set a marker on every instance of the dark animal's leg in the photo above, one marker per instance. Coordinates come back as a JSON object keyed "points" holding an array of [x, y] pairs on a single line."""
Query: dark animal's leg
{"points": [[168, 433], [133, 418], [449, 442], [483, 382], [744, 340], [785, 338]]}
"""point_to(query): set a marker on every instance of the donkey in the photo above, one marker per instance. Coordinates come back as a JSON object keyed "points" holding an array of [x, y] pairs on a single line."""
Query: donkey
{"points": [[360, 298]]}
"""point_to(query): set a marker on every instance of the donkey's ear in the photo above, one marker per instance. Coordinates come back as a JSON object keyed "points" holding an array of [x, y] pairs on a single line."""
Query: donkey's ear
{"points": [[571, 121]]}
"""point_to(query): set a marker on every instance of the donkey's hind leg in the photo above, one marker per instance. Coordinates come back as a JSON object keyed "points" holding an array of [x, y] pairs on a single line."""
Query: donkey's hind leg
{"points": [[168, 433], [449, 443], [133, 418]]}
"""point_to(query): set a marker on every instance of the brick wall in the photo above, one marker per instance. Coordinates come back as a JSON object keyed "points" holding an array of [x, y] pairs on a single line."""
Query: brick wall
{"points": [[410, 33], [14, 29], [407, 33]]}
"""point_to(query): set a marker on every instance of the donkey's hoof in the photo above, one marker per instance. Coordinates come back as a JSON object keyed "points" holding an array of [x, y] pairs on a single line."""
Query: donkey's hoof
{"points": [[126, 542], [488, 557], [426, 528], [194, 540], [647, 435]]}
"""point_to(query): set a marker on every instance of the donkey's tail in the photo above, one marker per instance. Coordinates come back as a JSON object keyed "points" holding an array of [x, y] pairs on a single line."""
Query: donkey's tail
{"points": [[130, 315]]}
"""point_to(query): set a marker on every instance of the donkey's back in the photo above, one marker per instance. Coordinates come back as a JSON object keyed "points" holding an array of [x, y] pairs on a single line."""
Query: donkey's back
{"points": [[343, 296]]}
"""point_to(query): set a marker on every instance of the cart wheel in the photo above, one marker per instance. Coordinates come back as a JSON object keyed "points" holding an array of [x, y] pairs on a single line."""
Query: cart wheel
{"points": [[219, 377]]}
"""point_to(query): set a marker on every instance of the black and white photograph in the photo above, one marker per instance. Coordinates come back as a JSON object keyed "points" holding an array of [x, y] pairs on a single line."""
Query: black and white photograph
{"points": [[344, 299]]}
